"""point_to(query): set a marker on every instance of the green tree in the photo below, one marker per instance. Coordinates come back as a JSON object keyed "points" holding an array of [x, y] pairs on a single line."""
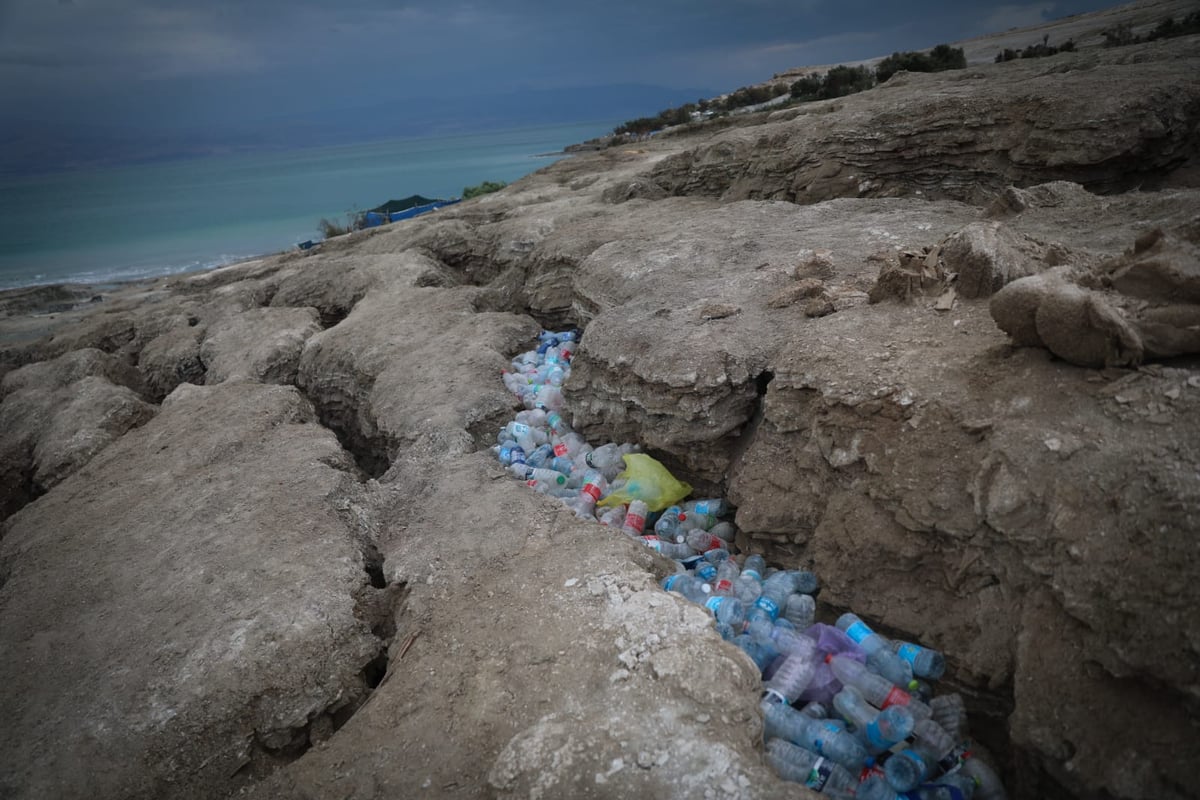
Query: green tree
{"points": [[843, 80], [807, 88]]}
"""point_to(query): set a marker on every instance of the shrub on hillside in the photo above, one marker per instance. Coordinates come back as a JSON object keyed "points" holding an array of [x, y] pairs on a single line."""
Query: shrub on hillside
{"points": [[940, 58], [487, 187], [1035, 50], [842, 80]]}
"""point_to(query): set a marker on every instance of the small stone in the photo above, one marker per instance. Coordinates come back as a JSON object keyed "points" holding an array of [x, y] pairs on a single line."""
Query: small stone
{"points": [[620, 676], [818, 307], [571, 582], [1053, 444], [645, 760], [1123, 399], [718, 311], [702, 718], [1173, 393], [1194, 381]]}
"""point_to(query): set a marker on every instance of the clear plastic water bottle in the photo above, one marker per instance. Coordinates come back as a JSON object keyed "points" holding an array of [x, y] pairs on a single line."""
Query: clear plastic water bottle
{"points": [[815, 710], [551, 489], [606, 458], [702, 542], [705, 571], [725, 530], [796, 672], [803, 581], [558, 426], [550, 398], [613, 517], [877, 690], [716, 556], [793, 763], [800, 610], [754, 566], [823, 737], [686, 585], [668, 524], [635, 518], [747, 589], [760, 653], [879, 730], [541, 456], [535, 418], [668, 549], [694, 521], [716, 506], [528, 473], [727, 572], [950, 712], [875, 787], [910, 767], [590, 492], [987, 783], [926, 663], [774, 596], [878, 650], [726, 609]]}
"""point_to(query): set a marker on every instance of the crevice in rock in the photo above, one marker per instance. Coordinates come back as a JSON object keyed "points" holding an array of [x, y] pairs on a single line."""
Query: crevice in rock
{"points": [[20, 492], [749, 431], [337, 411]]}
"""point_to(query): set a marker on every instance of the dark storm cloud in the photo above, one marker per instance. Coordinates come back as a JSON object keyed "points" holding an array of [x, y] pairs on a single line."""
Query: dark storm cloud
{"points": [[164, 63]]}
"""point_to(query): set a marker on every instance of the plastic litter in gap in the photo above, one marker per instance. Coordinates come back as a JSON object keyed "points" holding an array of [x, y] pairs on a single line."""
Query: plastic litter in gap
{"points": [[847, 712]]}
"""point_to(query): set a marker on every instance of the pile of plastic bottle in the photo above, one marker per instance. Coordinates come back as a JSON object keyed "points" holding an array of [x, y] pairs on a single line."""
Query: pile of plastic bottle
{"points": [[848, 712]]}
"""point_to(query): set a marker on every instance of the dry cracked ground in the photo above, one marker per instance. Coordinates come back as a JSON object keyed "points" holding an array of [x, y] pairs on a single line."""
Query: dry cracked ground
{"points": [[255, 544]]}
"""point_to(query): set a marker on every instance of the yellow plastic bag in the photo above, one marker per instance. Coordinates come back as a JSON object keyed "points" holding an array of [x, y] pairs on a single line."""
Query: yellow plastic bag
{"points": [[649, 481]]}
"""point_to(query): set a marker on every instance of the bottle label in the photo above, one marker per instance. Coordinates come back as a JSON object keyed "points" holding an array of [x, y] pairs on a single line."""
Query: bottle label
{"points": [[819, 775], [706, 570], [751, 573], [768, 605], [560, 449], [654, 544], [858, 631], [591, 490], [520, 429], [670, 582], [703, 507], [518, 455], [875, 736], [713, 604], [896, 697], [723, 585], [909, 652], [955, 759], [635, 522], [693, 562], [587, 459]]}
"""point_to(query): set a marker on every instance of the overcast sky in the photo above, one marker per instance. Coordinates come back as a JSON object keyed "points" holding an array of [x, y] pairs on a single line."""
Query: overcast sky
{"points": [[179, 64]]}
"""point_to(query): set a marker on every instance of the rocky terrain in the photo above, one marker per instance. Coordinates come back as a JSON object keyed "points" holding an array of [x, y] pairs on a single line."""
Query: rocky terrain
{"points": [[936, 342]]}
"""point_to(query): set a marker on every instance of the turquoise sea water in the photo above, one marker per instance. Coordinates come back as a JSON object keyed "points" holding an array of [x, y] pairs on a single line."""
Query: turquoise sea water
{"points": [[120, 223]]}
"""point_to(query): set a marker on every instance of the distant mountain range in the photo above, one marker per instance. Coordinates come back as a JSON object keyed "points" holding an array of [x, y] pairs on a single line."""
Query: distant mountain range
{"points": [[30, 146]]}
